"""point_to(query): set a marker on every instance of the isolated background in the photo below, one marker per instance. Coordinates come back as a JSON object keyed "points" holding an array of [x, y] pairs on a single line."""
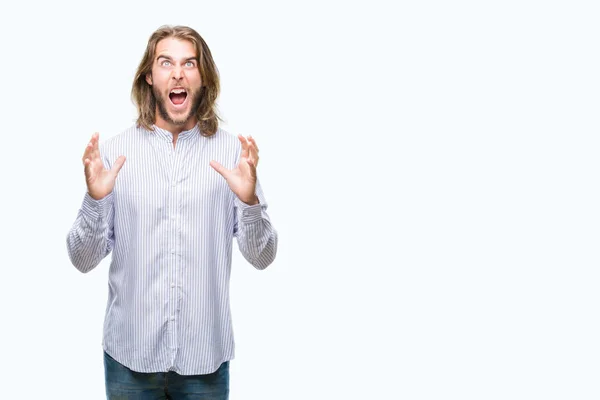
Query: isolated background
{"points": [[431, 167]]}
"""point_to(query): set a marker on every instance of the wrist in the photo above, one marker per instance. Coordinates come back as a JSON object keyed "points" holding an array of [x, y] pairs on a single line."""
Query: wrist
{"points": [[97, 196], [252, 201]]}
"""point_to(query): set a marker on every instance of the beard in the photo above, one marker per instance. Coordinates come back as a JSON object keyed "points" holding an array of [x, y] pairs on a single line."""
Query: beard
{"points": [[195, 99]]}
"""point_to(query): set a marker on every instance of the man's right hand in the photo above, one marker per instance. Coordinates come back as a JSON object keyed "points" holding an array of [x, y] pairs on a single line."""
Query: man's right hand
{"points": [[100, 181]]}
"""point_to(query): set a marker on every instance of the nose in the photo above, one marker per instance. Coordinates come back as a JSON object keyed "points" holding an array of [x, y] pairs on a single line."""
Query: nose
{"points": [[177, 72]]}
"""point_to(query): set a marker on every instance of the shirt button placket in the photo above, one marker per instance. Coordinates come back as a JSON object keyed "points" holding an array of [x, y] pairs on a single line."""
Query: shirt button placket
{"points": [[172, 252]]}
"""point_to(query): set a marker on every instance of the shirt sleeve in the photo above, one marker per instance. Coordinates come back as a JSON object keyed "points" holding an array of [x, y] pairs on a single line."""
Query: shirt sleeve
{"points": [[90, 239], [256, 236]]}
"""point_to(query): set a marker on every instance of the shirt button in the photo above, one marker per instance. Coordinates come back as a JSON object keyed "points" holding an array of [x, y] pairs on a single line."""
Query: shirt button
{"points": [[172, 285], [172, 251], [172, 318]]}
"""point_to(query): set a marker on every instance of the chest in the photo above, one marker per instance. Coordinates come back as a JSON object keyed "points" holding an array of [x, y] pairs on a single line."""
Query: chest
{"points": [[158, 177]]}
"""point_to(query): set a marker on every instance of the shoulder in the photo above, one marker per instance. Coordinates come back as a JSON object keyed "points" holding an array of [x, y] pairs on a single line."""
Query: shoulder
{"points": [[224, 147], [225, 136], [132, 135], [227, 141]]}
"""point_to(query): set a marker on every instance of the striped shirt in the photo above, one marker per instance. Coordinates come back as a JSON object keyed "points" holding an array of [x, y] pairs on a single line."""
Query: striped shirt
{"points": [[170, 222]]}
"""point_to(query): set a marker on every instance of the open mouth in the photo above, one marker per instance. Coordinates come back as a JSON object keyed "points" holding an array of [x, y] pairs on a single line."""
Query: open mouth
{"points": [[178, 96]]}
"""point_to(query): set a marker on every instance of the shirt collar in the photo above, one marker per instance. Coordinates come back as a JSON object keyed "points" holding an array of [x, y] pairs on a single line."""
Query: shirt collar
{"points": [[168, 136]]}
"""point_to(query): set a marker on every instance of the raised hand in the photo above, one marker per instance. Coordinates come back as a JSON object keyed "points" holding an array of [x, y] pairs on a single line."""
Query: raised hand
{"points": [[242, 179], [100, 181]]}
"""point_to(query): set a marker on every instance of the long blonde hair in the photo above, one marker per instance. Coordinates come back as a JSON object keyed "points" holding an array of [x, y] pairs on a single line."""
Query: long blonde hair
{"points": [[143, 97]]}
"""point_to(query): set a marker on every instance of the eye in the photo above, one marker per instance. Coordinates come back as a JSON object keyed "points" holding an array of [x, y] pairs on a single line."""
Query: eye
{"points": [[189, 64], [165, 63]]}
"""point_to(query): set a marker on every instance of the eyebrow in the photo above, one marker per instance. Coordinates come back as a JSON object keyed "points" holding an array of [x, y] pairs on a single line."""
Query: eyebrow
{"points": [[171, 59]]}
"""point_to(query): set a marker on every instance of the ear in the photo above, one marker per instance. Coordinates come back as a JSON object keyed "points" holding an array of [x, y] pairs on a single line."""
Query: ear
{"points": [[149, 79]]}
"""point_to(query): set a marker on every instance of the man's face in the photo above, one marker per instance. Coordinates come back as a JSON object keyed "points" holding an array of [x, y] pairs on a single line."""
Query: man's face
{"points": [[176, 83]]}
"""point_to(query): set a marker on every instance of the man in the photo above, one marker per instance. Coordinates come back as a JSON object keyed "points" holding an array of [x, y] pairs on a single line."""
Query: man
{"points": [[167, 196]]}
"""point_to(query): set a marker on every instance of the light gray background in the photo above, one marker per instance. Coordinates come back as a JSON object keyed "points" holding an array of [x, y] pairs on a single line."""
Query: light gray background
{"points": [[431, 167]]}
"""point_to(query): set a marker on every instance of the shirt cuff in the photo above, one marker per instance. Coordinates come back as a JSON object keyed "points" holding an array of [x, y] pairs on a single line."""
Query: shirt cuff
{"points": [[96, 209], [249, 213]]}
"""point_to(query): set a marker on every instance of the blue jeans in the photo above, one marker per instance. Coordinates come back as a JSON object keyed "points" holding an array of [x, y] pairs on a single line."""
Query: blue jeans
{"points": [[123, 383]]}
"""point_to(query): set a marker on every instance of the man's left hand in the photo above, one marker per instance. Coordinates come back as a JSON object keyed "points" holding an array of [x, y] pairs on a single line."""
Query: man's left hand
{"points": [[242, 179]]}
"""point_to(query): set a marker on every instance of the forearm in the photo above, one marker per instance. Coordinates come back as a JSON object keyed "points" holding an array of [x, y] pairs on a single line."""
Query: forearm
{"points": [[257, 238], [89, 239]]}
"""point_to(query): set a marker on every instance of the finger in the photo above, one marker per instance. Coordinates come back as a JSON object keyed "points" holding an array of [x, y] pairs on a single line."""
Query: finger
{"points": [[252, 168], [254, 159], [253, 142], [90, 147], [87, 153], [117, 166], [220, 169], [253, 153], [87, 169], [244, 141], [96, 141], [244, 145]]}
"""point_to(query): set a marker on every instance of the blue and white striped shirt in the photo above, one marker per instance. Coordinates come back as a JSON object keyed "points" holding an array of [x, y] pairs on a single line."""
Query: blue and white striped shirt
{"points": [[170, 222]]}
